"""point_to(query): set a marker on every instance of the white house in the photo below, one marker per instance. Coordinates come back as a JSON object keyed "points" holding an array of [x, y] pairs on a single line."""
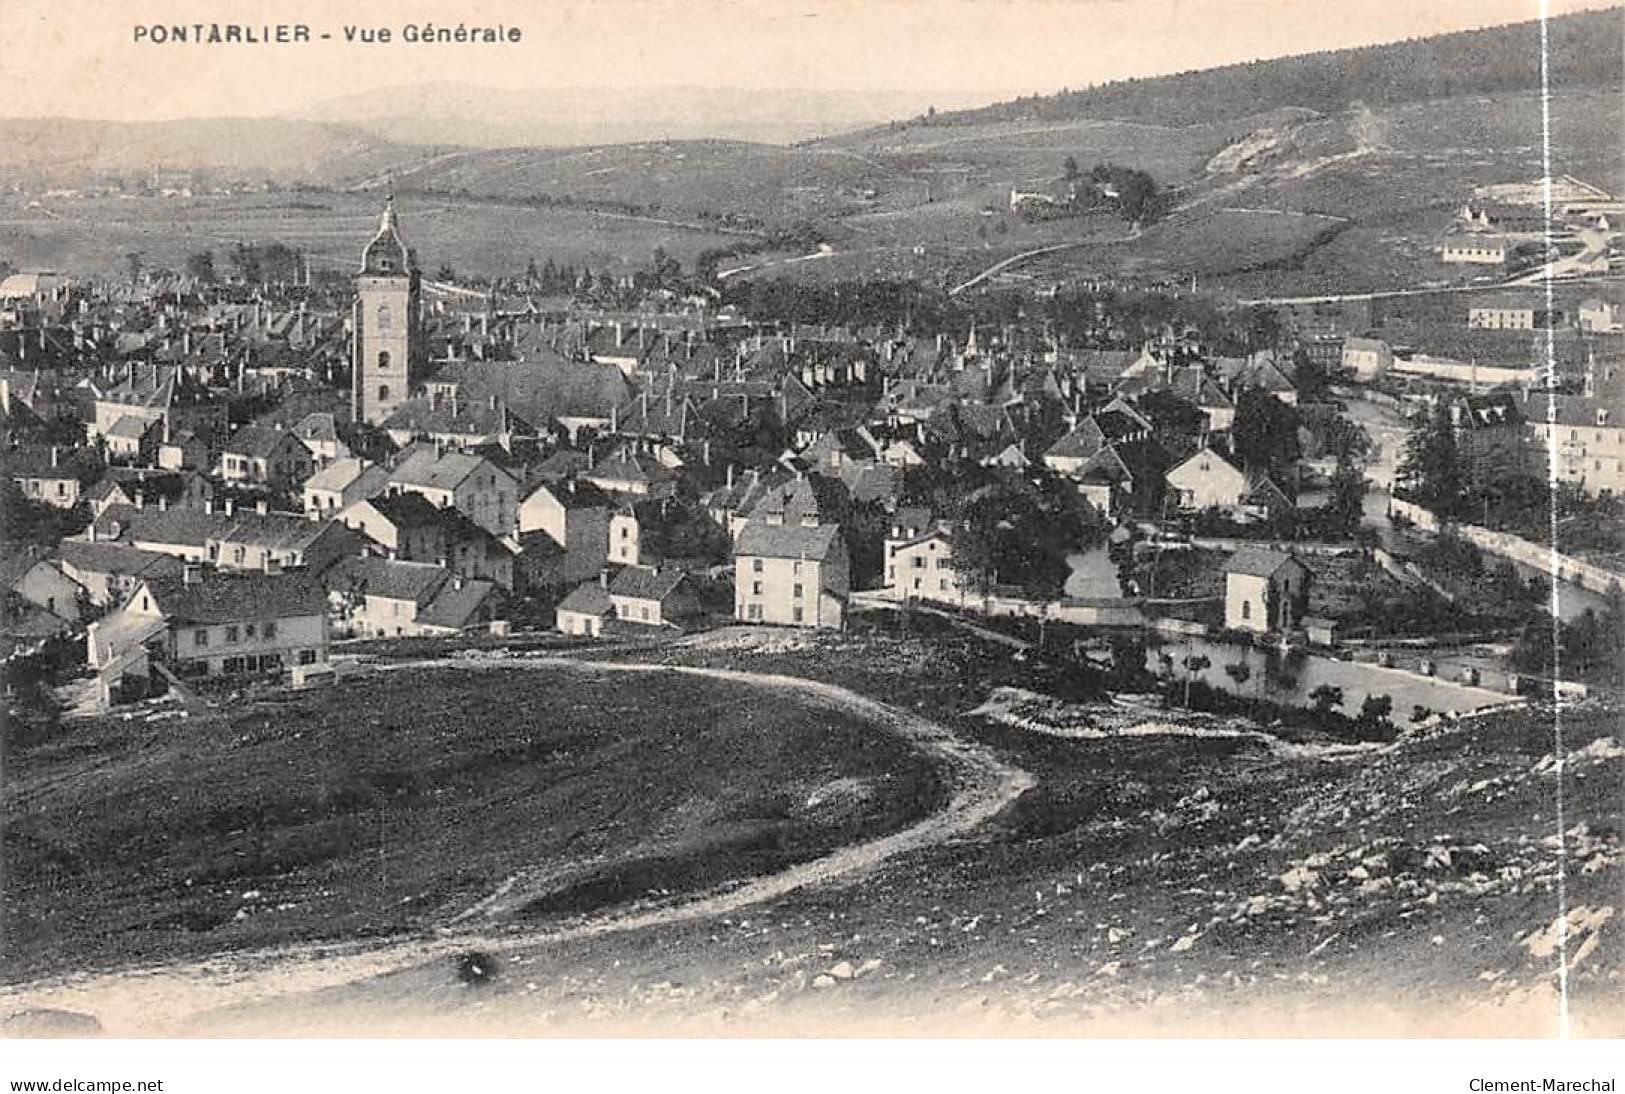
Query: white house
{"points": [[1265, 592], [1207, 480]]}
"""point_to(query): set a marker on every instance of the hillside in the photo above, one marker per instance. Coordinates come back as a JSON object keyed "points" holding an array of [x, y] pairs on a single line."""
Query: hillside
{"points": [[1587, 49], [66, 149], [715, 179], [487, 117], [1157, 871]]}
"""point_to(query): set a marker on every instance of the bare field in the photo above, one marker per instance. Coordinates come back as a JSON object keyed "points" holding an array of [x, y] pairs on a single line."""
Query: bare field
{"points": [[398, 802], [93, 235]]}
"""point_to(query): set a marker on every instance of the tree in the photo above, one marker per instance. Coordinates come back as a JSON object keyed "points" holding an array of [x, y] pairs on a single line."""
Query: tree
{"points": [[1014, 530], [1240, 672], [1374, 712], [666, 268], [1128, 658], [445, 273], [132, 263], [1431, 469], [200, 267], [1194, 664], [1309, 376], [1069, 168], [1348, 494], [1265, 433], [1326, 698], [1420, 713]]}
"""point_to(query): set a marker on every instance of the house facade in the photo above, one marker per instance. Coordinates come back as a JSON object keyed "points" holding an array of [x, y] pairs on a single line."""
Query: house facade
{"points": [[1265, 592], [791, 574], [221, 624]]}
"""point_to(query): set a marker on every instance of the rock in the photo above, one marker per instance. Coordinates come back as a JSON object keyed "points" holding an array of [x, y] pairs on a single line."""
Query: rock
{"points": [[842, 970], [1299, 877], [1185, 943], [1109, 969], [870, 966], [49, 1022], [823, 980]]}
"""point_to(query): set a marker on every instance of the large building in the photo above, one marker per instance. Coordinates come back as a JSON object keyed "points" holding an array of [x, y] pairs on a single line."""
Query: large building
{"points": [[387, 338]]}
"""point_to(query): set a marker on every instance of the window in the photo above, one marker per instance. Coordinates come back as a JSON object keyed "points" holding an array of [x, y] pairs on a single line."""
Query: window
{"points": [[644, 612], [796, 566], [756, 565], [943, 584], [383, 359], [753, 611], [248, 630], [1246, 609], [270, 629], [231, 634], [383, 317], [383, 391], [200, 637], [917, 562], [307, 657], [796, 614], [796, 592], [755, 588]]}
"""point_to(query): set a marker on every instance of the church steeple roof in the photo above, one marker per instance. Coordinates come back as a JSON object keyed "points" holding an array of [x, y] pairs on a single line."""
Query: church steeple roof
{"points": [[387, 253]]}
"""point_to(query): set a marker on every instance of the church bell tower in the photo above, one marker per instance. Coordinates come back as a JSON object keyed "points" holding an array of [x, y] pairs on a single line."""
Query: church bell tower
{"points": [[387, 339]]}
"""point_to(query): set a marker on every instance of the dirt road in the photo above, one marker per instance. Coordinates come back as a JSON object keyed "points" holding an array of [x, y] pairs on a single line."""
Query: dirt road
{"points": [[167, 999]]}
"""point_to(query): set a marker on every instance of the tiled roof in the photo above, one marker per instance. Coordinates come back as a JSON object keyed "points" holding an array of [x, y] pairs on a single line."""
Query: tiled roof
{"points": [[228, 597], [257, 441], [455, 604], [116, 558], [759, 538], [588, 598], [387, 578], [645, 583], [1257, 562]]}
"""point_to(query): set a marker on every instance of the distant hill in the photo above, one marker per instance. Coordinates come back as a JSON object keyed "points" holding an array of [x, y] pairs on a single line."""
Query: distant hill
{"points": [[484, 117], [1587, 50], [69, 149]]}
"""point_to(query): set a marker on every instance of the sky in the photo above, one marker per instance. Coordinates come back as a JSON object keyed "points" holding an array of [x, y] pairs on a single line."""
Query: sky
{"points": [[79, 58]]}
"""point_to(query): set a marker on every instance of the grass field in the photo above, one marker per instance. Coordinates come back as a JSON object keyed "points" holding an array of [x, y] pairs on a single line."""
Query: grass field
{"points": [[1155, 883], [399, 800], [484, 238]]}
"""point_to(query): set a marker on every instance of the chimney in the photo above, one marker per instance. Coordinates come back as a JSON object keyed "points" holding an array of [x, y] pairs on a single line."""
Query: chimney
{"points": [[262, 507], [603, 579], [231, 507], [141, 500], [730, 476], [56, 456], [163, 503], [208, 507], [192, 572]]}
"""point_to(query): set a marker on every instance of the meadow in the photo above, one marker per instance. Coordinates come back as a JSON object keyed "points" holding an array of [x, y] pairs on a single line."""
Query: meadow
{"points": [[401, 799]]}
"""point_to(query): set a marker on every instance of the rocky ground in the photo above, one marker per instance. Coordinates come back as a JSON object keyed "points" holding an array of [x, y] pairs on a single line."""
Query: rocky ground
{"points": [[1163, 873]]}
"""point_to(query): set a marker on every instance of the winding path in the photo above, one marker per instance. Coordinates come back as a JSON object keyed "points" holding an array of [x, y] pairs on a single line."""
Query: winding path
{"points": [[159, 999]]}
